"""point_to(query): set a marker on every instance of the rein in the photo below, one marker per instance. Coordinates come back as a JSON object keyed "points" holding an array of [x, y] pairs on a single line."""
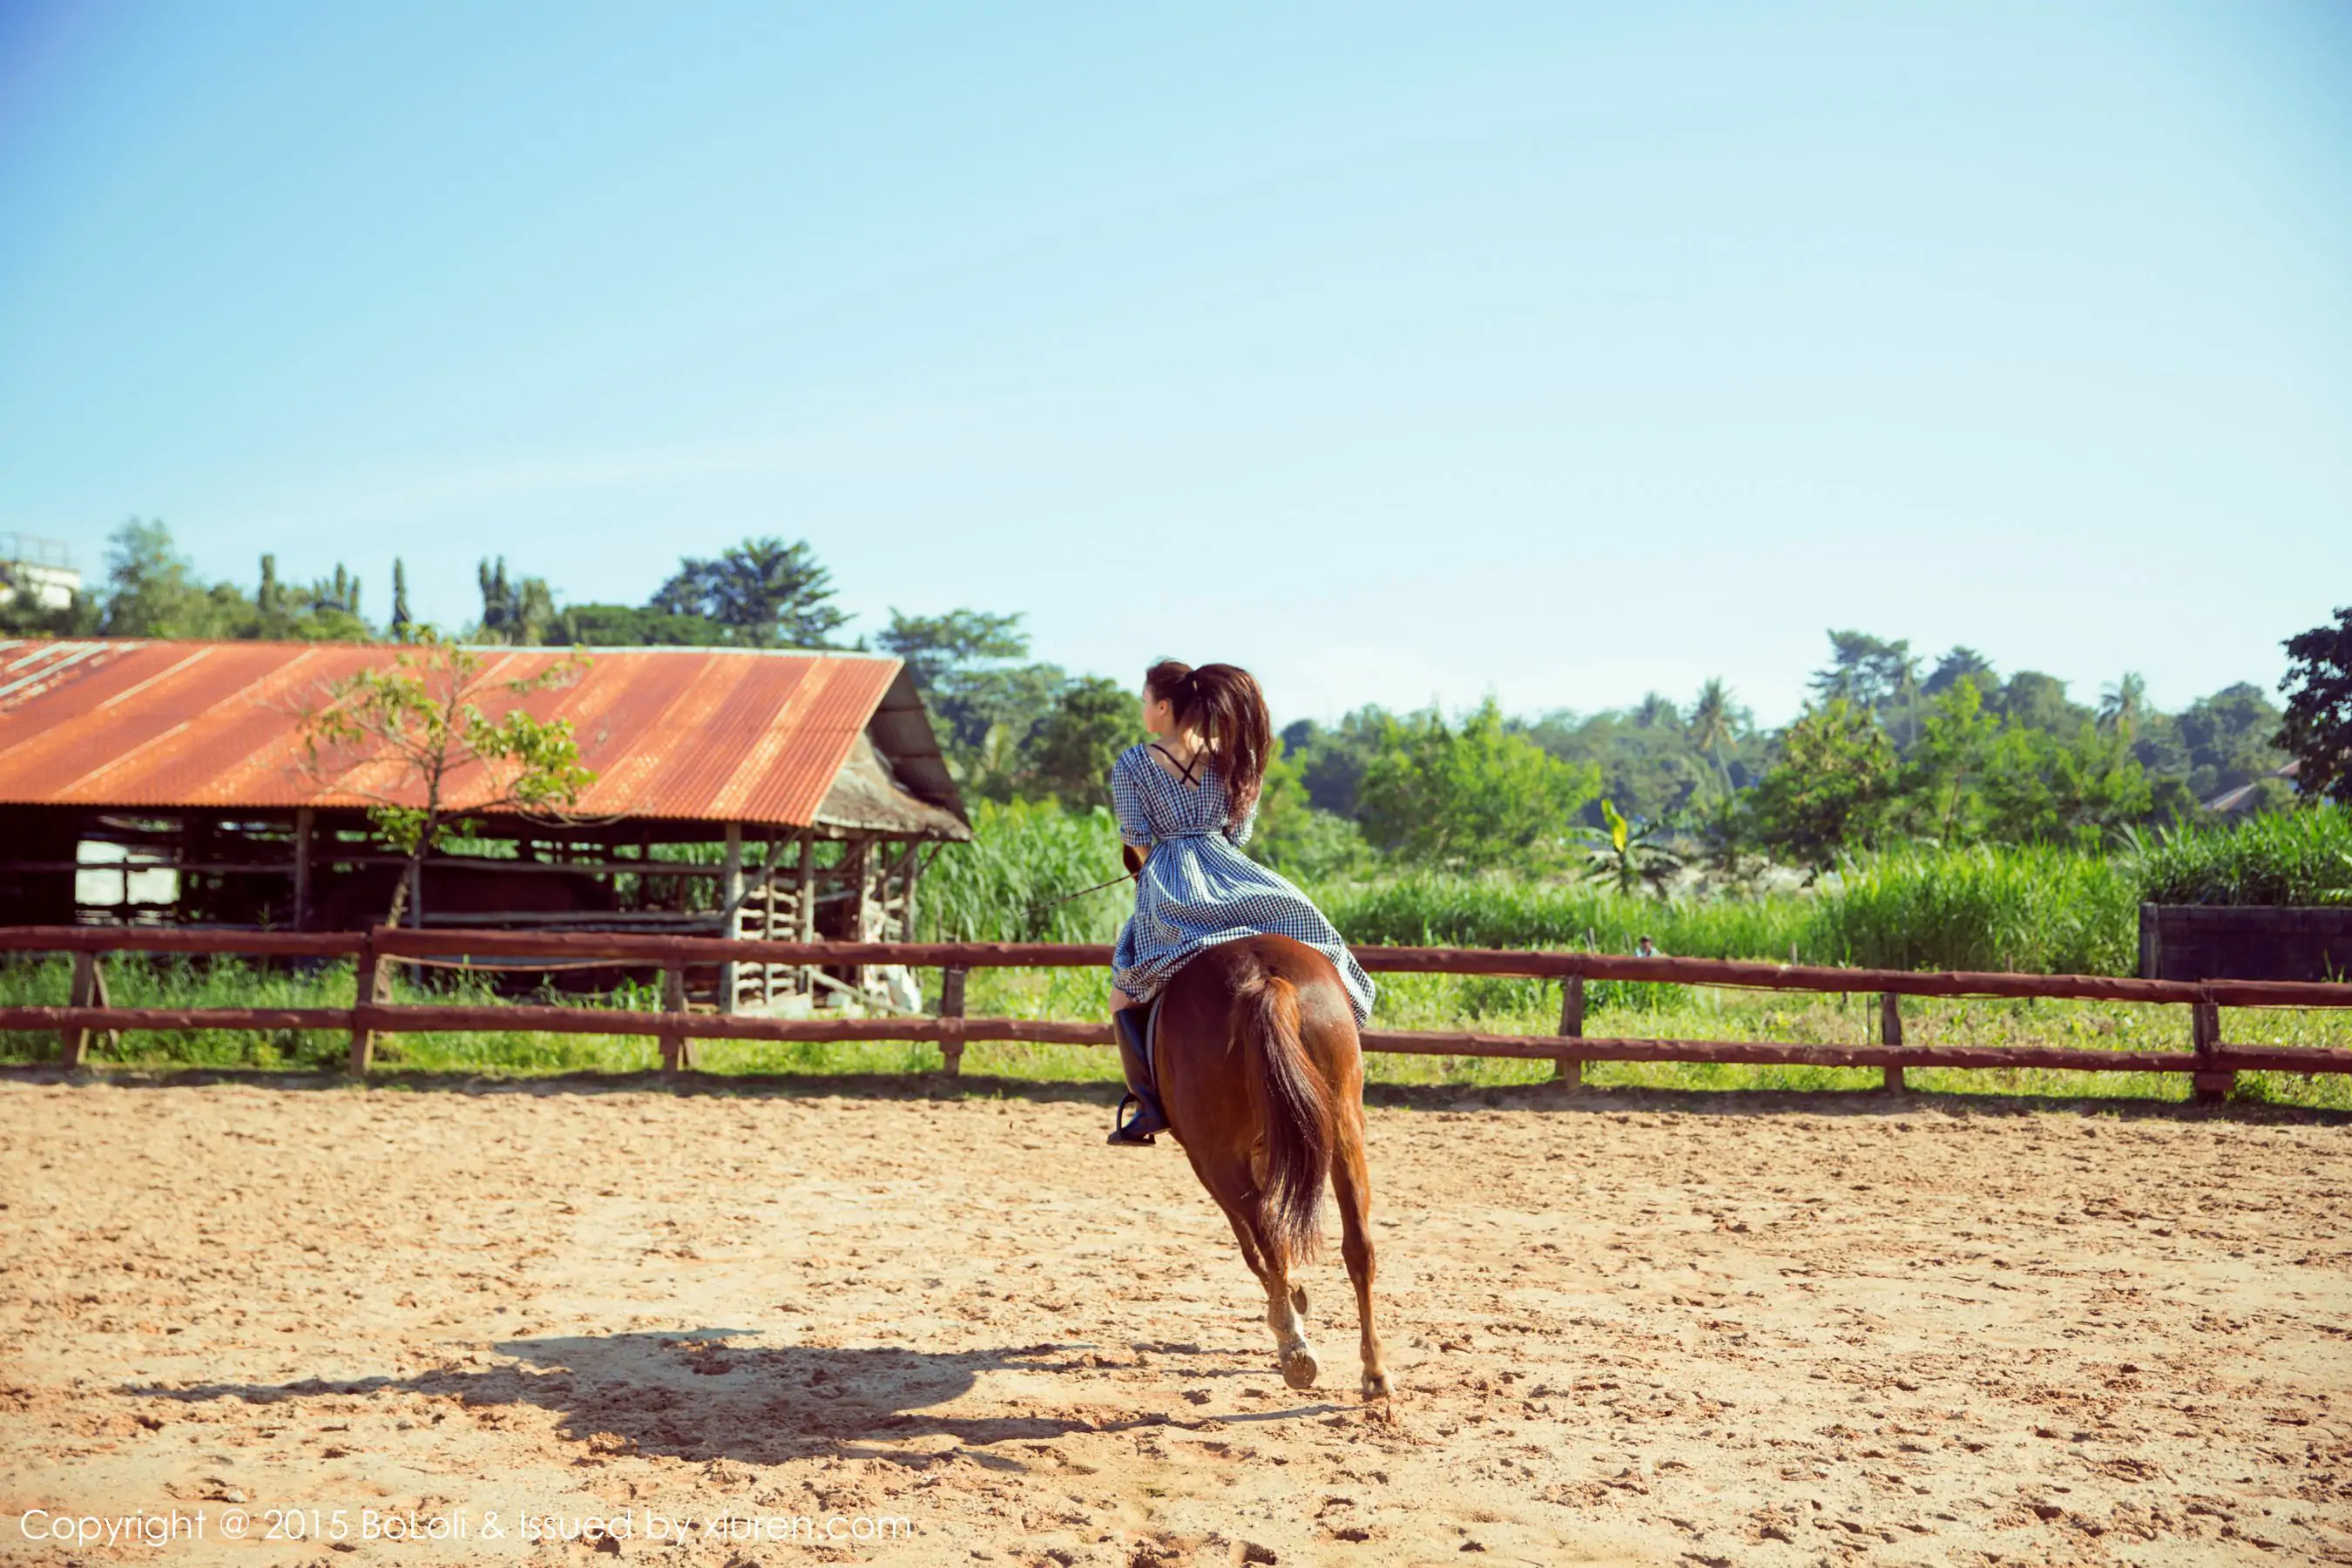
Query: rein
{"points": [[1082, 892]]}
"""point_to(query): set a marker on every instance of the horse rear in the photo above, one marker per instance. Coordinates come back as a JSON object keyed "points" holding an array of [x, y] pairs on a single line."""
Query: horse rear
{"points": [[1261, 1074]]}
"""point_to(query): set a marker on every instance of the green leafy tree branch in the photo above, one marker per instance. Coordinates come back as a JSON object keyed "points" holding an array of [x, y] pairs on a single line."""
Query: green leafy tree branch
{"points": [[403, 736]]}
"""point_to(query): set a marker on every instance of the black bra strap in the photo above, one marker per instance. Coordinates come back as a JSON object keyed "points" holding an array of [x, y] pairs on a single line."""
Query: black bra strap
{"points": [[1184, 770]]}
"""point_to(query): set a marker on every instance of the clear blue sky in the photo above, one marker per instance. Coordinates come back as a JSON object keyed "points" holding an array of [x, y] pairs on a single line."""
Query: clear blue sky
{"points": [[1561, 353]]}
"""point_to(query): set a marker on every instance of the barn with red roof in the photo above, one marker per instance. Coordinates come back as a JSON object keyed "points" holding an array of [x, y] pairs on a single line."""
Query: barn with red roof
{"points": [[738, 792]]}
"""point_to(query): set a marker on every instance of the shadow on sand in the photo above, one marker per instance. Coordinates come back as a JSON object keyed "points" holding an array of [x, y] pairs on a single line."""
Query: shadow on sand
{"points": [[698, 1395]]}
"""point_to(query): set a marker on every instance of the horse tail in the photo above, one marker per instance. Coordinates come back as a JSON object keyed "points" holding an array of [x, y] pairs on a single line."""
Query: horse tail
{"points": [[1301, 1122]]}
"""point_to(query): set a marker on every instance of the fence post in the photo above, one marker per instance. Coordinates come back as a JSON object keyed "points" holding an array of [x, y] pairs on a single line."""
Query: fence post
{"points": [[1569, 1070], [365, 987], [89, 990], [1890, 1032], [2205, 1035], [677, 1051], [952, 1007]]}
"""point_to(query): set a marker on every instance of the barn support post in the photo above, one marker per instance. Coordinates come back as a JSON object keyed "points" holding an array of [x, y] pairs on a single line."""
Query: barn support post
{"points": [[2205, 1037], [804, 909], [304, 821], [366, 990], [951, 1009], [731, 890], [1569, 1070], [914, 878], [857, 882], [768, 921], [1890, 1032], [88, 990], [676, 1050]]}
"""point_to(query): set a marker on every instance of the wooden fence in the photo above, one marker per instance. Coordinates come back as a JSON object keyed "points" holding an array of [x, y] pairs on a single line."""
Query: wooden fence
{"points": [[2213, 1063]]}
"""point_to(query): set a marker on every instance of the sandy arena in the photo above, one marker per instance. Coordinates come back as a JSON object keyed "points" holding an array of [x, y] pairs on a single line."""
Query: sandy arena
{"points": [[1746, 1331]]}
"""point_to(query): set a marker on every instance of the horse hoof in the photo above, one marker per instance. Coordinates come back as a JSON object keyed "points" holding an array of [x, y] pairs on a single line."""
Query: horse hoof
{"points": [[1299, 1368], [1298, 1300], [1376, 1386]]}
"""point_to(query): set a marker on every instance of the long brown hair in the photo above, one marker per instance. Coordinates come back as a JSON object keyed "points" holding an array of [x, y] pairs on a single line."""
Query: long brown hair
{"points": [[1225, 703]]}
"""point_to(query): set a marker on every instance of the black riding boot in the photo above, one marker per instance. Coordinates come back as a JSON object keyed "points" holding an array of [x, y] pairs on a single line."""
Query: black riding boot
{"points": [[1128, 1024]]}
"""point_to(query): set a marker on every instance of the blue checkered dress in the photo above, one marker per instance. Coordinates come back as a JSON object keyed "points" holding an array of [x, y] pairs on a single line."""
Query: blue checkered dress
{"points": [[1198, 888]]}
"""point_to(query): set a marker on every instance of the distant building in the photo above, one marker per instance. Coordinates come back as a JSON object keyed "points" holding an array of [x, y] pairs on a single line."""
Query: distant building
{"points": [[39, 573], [2248, 797], [739, 793]]}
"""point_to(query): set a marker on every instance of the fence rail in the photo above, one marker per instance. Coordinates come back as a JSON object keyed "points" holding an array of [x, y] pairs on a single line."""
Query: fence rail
{"points": [[2212, 1064]]}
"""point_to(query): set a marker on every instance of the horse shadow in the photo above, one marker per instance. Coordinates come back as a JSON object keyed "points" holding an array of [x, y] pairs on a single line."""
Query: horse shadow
{"points": [[700, 1395]]}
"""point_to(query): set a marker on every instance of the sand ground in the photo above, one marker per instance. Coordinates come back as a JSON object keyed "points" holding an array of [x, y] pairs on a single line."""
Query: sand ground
{"points": [[1625, 1329]]}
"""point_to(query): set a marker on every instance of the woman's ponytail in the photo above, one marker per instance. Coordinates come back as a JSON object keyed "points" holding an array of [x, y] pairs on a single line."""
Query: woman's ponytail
{"points": [[1227, 704]]}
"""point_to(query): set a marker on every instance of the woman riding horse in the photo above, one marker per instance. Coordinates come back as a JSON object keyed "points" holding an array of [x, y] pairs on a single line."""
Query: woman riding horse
{"points": [[1186, 801], [1253, 1059]]}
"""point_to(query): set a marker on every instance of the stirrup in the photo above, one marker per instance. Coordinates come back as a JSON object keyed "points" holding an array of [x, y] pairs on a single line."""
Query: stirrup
{"points": [[1135, 1131]]}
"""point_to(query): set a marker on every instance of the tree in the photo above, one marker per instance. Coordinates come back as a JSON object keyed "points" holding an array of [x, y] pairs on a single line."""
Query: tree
{"points": [[1656, 712], [2040, 703], [1295, 836], [987, 707], [936, 647], [1626, 856], [1472, 797], [1960, 663], [1825, 796], [768, 594], [401, 619], [151, 589], [1864, 670], [2122, 705], [2040, 787], [1331, 762], [2229, 739], [1941, 786], [1653, 770], [1714, 722], [627, 626], [2317, 726], [412, 739], [1092, 723], [520, 612]]}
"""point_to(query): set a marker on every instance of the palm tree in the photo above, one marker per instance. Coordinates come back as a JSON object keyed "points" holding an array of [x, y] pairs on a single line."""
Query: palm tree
{"points": [[1906, 686], [1713, 723], [2121, 705]]}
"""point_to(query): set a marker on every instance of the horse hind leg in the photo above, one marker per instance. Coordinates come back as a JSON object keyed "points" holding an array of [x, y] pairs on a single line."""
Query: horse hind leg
{"points": [[1351, 1181], [1285, 1304]]}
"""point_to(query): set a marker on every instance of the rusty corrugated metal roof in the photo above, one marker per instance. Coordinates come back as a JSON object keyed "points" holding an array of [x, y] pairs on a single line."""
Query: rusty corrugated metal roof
{"points": [[700, 734]]}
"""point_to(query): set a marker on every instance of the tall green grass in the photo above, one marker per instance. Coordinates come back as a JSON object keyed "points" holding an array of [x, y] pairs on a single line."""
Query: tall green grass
{"points": [[2029, 909], [1429, 909], [2299, 856], [1012, 883], [2035, 908]]}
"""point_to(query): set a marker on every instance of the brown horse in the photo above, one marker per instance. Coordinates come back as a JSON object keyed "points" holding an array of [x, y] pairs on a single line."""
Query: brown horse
{"points": [[1261, 1078]]}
